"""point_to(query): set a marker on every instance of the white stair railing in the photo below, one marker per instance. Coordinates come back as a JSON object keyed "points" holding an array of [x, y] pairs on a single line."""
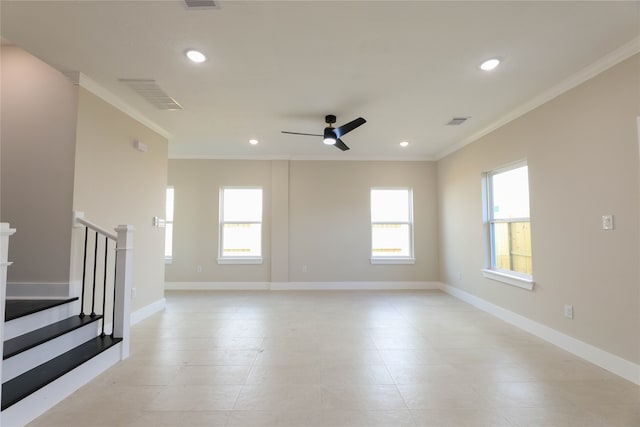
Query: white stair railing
{"points": [[123, 278], [5, 232]]}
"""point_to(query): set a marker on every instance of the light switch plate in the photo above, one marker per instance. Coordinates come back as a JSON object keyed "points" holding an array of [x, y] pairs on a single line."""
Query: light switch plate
{"points": [[607, 222]]}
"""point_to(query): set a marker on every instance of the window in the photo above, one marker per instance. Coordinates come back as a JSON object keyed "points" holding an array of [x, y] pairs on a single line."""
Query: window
{"points": [[508, 226], [391, 226], [240, 225], [168, 226]]}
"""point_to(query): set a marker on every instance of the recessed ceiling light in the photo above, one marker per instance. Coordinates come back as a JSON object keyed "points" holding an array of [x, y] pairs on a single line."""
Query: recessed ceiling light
{"points": [[196, 56], [253, 141], [490, 64], [404, 144]]}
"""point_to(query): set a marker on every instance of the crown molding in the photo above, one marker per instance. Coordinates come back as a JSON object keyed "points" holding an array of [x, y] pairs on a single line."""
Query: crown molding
{"points": [[301, 158], [624, 52], [102, 93]]}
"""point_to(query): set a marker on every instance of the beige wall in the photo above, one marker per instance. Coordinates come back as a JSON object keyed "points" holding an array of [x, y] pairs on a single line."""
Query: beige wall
{"points": [[582, 151], [316, 215], [195, 242], [38, 138], [116, 184], [330, 229]]}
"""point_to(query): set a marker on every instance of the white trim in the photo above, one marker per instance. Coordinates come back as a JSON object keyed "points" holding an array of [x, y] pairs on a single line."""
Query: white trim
{"points": [[104, 94], [409, 222], [613, 58], [510, 279], [382, 260], [148, 310], [42, 290], [222, 222], [216, 286], [619, 366], [79, 221], [338, 157], [308, 286], [247, 260], [354, 286]]}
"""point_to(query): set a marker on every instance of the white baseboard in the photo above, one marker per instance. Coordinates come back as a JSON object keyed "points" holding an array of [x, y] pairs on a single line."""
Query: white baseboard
{"points": [[37, 290], [299, 286], [353, 286], [619, 366], [216, 286], [148, 310]]}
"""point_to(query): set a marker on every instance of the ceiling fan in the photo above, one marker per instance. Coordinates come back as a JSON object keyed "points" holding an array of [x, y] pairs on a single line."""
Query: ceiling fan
{"points": [[331, 135]]}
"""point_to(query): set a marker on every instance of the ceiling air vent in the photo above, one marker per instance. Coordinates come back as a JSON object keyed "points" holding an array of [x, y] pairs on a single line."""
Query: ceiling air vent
{"points": [[457, 121], [149, 90], [201, 4]]}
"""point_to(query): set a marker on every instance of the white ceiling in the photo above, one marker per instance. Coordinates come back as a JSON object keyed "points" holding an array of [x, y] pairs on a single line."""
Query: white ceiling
{"points": [[407, 67]]}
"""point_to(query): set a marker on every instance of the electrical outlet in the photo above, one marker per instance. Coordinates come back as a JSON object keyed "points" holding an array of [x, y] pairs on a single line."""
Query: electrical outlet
{"points": [[459, 276], [134, 293], [568, 311], [199, 269], [305, 269]]}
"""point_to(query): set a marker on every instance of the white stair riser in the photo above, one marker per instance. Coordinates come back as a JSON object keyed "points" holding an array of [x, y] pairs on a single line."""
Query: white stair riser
{"points": [[22, 325], [22, 362], [44, 399]]}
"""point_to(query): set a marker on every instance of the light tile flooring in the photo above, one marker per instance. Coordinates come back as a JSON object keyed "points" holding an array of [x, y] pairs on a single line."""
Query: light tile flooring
{"points": [[408, 358]]}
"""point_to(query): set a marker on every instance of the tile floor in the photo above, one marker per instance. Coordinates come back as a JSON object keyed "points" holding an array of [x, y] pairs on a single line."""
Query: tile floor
{"points": [[330, 359]]}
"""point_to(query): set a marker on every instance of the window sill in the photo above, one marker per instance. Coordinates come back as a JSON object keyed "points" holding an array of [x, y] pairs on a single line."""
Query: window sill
{"points": [[393, 260], [247, 260], [523, 282]]}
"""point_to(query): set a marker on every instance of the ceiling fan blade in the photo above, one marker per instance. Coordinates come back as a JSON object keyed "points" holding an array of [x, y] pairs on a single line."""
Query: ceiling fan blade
{"points": [[341, 145], [348, 127], [298, 133]]}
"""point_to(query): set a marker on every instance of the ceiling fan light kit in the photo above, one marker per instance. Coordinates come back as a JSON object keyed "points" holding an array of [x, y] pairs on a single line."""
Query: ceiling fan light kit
{"points": [[329, 136]]}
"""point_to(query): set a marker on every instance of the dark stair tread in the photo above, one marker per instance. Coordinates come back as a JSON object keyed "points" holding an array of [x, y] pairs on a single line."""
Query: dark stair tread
{"points": [[31, 381], [15, 308], [34, 338]]}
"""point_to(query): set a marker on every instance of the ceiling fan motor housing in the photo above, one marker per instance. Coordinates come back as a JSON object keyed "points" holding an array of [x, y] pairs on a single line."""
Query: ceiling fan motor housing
{"points": [[330, 119]]}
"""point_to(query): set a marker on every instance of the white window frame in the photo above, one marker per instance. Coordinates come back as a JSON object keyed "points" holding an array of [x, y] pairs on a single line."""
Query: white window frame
{"points": [[510, 277], [410, 259], [168, 259], [238, 259]]}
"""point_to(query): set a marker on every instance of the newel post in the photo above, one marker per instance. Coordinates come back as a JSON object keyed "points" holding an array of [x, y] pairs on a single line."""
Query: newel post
{"points": [[124, 277], [5, 232]]}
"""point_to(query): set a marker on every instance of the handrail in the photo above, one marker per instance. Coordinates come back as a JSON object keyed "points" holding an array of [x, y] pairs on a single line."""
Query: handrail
{"points": [[78, 217], [122, 275]]}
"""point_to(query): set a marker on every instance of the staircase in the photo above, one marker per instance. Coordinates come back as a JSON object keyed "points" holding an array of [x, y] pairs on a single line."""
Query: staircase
{"points": [[43, 343], [51, 347]]}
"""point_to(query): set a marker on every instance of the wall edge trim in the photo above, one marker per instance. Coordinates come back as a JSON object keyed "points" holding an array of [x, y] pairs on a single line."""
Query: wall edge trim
{"points": [[148, 310]]}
